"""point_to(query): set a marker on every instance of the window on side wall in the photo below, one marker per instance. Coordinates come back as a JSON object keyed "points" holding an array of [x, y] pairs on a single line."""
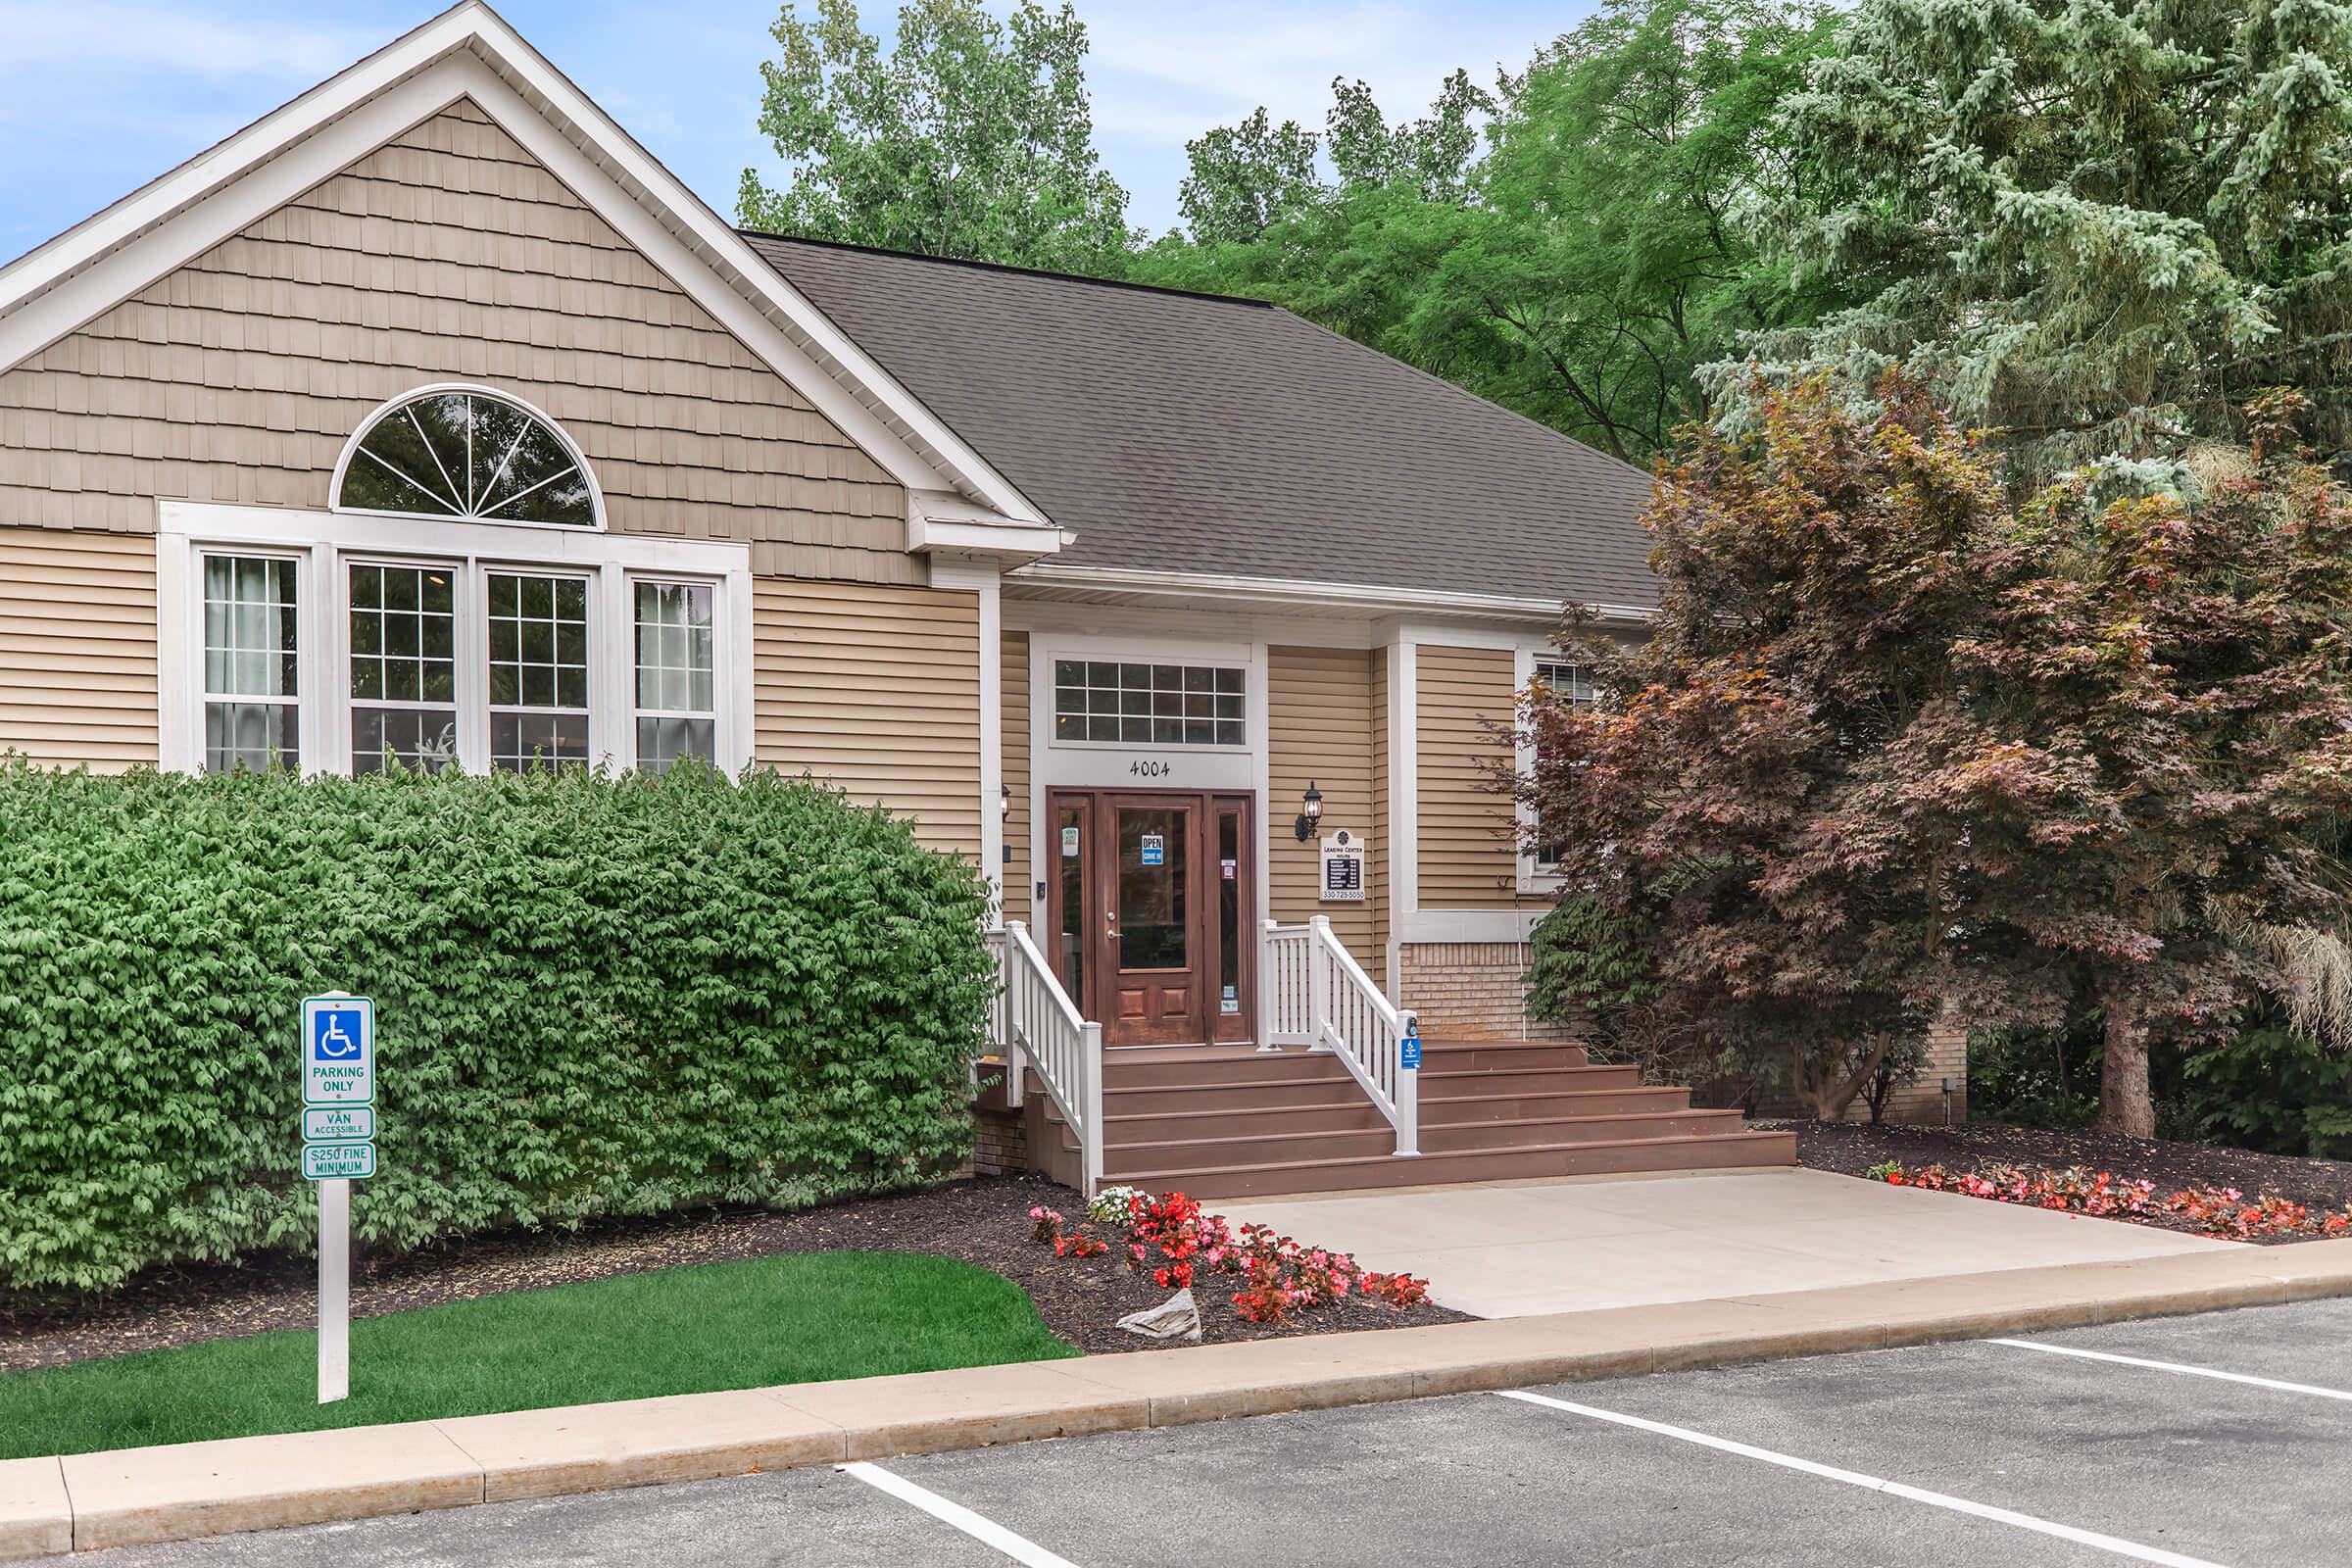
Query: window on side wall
{"points": [[1569, 682]]}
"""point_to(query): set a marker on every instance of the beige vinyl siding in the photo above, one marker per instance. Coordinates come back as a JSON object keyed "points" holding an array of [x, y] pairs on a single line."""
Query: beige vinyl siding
{"points": [[1469, 856], [1014, 760], [877, 690], [1319, 703], [77, 646], [448, 254], [1377, 895]]}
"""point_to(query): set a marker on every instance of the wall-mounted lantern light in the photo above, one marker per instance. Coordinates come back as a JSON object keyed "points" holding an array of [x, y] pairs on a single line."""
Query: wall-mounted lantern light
{"points": [[1004, 800], [1310, 812]]}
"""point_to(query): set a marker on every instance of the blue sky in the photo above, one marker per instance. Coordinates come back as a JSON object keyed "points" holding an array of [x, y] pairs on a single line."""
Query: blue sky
{"points": [[97, 97]]}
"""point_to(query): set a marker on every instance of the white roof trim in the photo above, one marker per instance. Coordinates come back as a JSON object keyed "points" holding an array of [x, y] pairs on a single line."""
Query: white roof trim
{"points": [[1281, 590], [938, 519], [470, 51]]}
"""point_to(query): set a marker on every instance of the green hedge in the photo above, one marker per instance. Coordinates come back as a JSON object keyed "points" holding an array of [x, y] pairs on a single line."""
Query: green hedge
{"points": [[594, 996]]}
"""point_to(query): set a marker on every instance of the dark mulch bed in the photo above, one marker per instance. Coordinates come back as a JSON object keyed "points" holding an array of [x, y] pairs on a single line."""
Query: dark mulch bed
{"points": [[1851, 1150], [983, 1221]]}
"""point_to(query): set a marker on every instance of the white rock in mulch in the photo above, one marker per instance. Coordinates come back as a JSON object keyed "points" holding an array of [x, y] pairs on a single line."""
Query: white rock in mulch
{"points": [[1174, 1318]]}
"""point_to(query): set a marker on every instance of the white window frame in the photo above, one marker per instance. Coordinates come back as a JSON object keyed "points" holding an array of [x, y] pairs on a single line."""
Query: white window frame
{"points": [[637, 712], [1242, 659], [375, 417], [324, 544], [304, 614], [1535, 876]]}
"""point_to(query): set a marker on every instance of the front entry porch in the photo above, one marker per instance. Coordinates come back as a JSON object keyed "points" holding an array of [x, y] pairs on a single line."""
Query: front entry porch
{"points": [[1345, 1095]]}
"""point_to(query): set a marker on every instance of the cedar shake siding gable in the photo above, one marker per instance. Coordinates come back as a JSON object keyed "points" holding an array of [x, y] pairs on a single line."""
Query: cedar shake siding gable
{"points": [[449, 254]]}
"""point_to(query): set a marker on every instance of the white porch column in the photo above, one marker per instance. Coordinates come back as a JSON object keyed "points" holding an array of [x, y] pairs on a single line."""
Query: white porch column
{"points": [[981, 578]]}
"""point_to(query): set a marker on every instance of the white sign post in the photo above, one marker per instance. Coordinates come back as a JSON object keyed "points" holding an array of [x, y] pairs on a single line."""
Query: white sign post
{"points": [[338, 1118]]}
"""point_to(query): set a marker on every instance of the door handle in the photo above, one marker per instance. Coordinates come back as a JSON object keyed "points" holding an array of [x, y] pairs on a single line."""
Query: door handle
{"points": [[1110, 924]]}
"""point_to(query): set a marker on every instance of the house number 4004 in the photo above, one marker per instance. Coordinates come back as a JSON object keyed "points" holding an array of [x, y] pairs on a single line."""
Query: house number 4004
{"points": [[1148, 769]]}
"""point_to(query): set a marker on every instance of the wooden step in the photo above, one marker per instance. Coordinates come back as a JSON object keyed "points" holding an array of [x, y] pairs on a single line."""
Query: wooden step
{"points": [[1443, 1082], [1347, 1110], [1437, 1054], [1438, 1110], [1272, 1144], [1139, 1067], [1158, 1097], [1710, 1152]]}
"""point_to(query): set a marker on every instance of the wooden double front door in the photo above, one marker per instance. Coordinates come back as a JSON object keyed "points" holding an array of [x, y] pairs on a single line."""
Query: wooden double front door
{"points": [[1150, 904]]}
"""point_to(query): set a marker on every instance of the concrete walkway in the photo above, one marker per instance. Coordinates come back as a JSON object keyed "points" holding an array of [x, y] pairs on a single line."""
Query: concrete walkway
{"points": [[1585, 1243]]}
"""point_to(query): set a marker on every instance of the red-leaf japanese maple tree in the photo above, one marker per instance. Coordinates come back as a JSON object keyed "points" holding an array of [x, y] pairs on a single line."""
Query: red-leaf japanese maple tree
{"points": [[1901, 747]]}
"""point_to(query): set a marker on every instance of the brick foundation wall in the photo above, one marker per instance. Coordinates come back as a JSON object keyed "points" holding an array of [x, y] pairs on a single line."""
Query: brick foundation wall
{"points": [[1471, 990], [1922, 1099], [1000, 1142]]}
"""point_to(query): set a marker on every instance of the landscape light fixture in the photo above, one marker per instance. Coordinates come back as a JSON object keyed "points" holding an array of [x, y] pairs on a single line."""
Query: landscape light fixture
{"points": [[1310, 812]]}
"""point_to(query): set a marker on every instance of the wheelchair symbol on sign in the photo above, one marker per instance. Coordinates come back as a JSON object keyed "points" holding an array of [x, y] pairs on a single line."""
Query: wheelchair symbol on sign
{"points": [[333, 1043]]}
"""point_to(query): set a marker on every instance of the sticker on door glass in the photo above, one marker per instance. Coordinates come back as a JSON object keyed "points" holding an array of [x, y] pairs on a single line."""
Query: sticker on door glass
{"points": [[1225, 869], [1231, 1002], [1155, 849], [1069, 844]]}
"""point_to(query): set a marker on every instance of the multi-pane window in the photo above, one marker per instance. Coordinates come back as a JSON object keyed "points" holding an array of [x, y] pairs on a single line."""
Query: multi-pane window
{"points": [[1571, 685], [1157, 704], [1566, 681], [404, 668], [538, 669], [677, 706], [459, 454], [252, 716]]}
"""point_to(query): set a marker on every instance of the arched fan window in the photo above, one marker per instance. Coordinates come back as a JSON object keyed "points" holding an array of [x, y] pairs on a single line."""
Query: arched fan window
{"points": [[461, 452]]}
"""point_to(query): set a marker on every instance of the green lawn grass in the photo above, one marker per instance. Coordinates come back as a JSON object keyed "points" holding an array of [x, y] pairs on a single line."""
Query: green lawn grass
{"points": [[788, 1319]]}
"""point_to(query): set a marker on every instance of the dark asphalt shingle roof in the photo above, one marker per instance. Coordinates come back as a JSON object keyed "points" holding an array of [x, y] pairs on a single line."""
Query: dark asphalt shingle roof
{"points": [[1189, 433]]}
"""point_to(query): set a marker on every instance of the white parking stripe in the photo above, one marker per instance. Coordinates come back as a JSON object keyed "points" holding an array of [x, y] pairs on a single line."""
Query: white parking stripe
{"points": [[2175, 1366], [1894, 1489], [988, 1532]]}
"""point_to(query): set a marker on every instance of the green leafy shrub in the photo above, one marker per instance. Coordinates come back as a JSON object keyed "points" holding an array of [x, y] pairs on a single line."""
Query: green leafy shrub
{"points": [[2272, 1090], [594, 996]]}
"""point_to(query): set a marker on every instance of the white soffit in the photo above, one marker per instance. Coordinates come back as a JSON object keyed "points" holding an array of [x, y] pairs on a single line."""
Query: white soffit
{"points": [[470, 52]]}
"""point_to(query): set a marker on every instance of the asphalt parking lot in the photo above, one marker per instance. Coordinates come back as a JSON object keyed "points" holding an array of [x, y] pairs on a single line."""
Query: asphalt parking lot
{"points": [[2223, 1438]]}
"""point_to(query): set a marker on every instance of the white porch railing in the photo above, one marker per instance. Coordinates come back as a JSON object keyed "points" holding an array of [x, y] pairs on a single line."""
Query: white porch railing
{"points": [[1038, 1026], [1311, 992]]}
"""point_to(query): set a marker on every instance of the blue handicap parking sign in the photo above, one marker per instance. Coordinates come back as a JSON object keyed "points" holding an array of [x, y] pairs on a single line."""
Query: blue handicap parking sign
{"points": [[339, 1051], [1408, 1050], [336, 1035]]}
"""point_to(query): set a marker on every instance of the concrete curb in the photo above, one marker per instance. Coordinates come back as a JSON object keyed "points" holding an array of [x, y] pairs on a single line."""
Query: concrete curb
{"points": [[82, 1502]]}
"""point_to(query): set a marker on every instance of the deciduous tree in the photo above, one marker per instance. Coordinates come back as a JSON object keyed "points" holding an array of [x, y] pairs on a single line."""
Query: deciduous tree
{"points": [[1898, 745], [971, 139]]}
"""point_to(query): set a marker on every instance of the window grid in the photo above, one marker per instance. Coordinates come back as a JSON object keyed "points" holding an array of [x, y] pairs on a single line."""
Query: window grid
{"points": [[404, 667], [1156, 705], [538, 636], [473, 455], [251, 711], [677, 703], [1566, 681], [1570, 682]]}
